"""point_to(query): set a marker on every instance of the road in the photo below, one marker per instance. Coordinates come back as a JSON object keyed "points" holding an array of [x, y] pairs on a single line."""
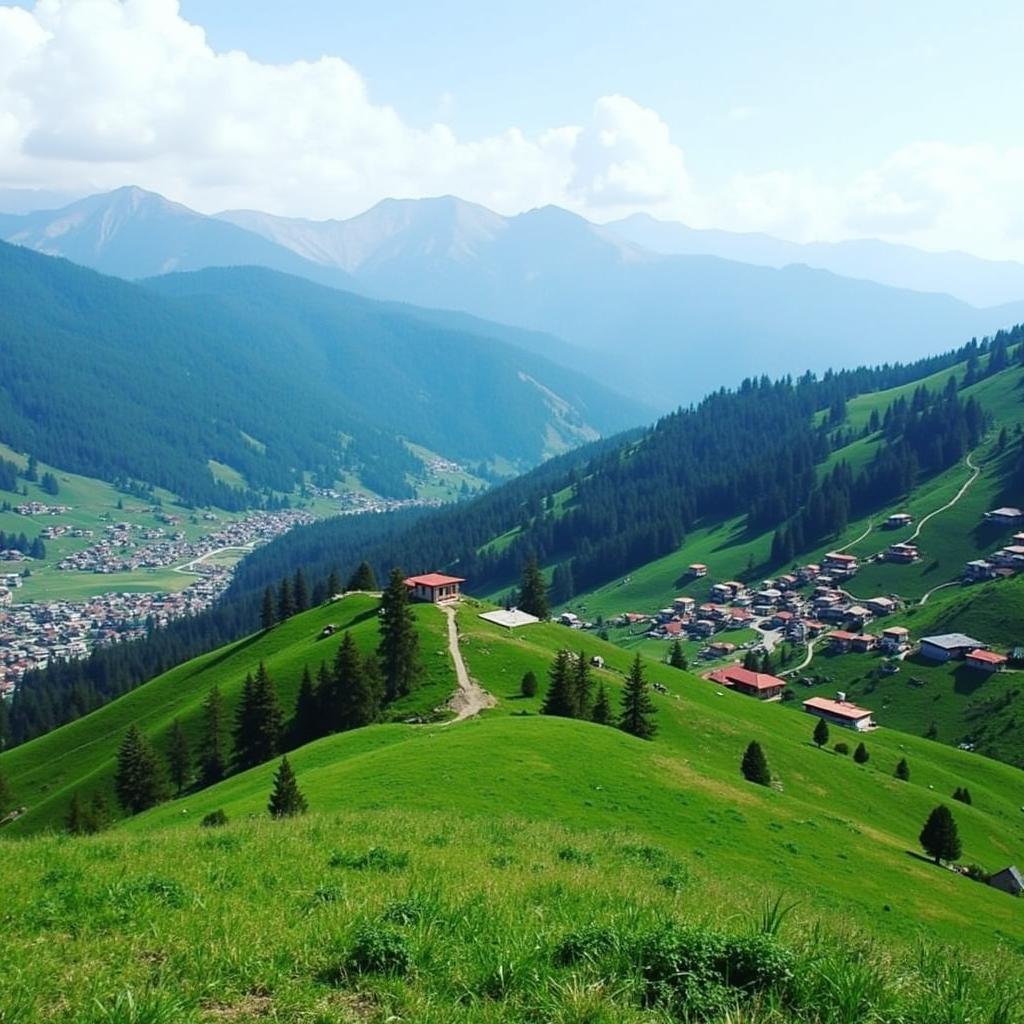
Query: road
{"points": [[470, 698], [189, 567], [949, 504]]}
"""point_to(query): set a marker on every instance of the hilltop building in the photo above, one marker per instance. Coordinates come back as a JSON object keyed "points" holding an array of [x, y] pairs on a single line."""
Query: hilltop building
{"points": [[840, 712], [754, 684], [435, 588]]}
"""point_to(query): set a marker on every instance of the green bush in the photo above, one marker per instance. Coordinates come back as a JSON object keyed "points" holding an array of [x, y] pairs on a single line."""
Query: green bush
{"points": [[377, 858], [378, 949], [588, 943], [215, 819], [842, 748]]}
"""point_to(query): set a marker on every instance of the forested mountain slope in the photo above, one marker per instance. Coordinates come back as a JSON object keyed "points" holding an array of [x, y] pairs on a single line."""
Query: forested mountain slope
{"points": [[266, 374]]}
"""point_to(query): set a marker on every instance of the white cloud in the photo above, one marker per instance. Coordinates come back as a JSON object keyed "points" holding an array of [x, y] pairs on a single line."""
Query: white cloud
{"points": [[100, 93]]}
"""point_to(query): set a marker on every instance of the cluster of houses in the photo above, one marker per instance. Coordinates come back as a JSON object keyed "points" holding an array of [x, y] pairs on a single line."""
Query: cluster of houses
{"points": [[33, 635], [1005, 562], [128, 547], [37, 508], [356, 503]]}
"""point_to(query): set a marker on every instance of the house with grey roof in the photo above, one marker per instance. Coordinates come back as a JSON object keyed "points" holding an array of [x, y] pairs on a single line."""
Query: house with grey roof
{"points": [[949, 645], [1009, 880]]}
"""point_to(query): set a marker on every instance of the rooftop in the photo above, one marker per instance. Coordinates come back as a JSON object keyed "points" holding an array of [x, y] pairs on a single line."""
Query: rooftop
{"points": [[433, 579], [989, 657], [952, 641], [735, 674], [839, 708]]}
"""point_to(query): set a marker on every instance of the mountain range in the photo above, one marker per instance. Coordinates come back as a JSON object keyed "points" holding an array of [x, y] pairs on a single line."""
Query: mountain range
{"points": [[271, 375], [666, 327]]}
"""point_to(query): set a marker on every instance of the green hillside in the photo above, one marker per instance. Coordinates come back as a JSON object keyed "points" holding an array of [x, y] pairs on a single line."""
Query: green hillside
{"points": [[80, 756], [464, 825]]}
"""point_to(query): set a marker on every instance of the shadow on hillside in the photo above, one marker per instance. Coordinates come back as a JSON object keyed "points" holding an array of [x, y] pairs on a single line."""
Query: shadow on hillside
{"points": [[967, 680], [232, 649], [923, 858]]}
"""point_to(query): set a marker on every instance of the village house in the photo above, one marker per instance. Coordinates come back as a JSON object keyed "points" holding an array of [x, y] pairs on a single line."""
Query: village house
{"points": [[808, 572], [986, 661], [701, 628], [1008, 880], [698, 569], [897, 520], [858, 615], [949, 645], [720, 649], [1010, 557], [434, 587], [979, 569], [840, 712], [739, 618], [721, 592], [760, 685], [895, 639], [840, 564], [881, 605], [1005, 516], [902, 554], [684, 605]]}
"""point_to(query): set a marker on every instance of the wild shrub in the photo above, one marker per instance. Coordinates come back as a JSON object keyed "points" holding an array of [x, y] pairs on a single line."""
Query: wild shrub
{"points": [[378, 948], [411, 909], [588, 943], [215, 819], [574, 855], [842, 748], [377, 858]]}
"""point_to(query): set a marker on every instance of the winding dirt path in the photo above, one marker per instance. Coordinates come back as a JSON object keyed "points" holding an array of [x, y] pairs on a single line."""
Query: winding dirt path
{"points": [[470, 698], [956, 497], [803, 664], [856, 540]]}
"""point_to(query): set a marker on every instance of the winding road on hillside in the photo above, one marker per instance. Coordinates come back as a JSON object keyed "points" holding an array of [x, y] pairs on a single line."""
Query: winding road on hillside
{"points": [[856, 540], [470, 698], [956, 497], [188, 568]]}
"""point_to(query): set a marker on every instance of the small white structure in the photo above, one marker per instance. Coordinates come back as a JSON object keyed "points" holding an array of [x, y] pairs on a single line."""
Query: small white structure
{"points": [[510, 618]]}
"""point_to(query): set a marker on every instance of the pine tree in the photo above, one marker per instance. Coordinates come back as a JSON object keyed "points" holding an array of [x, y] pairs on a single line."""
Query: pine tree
{"points": [[98, 816], [528, 686], [268, 616], [676, 658], [363, 578], [399, 642], [7, 803], [861, 755], [963, 794], [286, 800], [754, 765], [559, 699], [581, 686], [258, 721], [285, 601], [139, 780], [602, 713], [821, 733], [903, 770], [212, 758], [179, 757], [355, 688], [300, 589], [333, 584], [75, 820], [533, 591], [940, 837], [637, 706], [306, 723]]}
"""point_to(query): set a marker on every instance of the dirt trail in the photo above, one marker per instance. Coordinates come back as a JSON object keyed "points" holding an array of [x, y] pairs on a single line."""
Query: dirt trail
{"points": [[956, 497], [803, 664], [856, 540], [470, 698]]}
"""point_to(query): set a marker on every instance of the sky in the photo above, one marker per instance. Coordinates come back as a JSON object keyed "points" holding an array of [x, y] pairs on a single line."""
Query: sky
{"points": [[820, 120]]}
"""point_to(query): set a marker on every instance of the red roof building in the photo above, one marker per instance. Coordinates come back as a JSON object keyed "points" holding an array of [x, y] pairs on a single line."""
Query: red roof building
{"points": [[840, 712], [435, 587], [986, 661], [754, 684]]}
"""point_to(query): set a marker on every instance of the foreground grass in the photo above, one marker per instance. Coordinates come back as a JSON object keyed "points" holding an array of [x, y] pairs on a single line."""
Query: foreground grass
{"points": [[433, 917]]}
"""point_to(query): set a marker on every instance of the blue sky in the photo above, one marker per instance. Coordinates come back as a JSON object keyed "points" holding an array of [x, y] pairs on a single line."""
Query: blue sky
{"points": [[809, 120]]}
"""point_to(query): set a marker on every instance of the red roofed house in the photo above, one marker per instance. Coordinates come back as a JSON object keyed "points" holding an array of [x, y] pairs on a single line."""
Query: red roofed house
{"points": [[753, 684], [986, 661], [840, 712], [434, 587]]}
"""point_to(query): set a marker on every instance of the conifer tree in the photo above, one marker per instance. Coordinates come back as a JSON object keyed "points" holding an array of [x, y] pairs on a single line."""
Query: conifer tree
{"points": [[581, 686], [357, 686], [821, 733], [333, 584], [861, 755], [676, 658], [940, 837], [363, 578], [637, 706], [528, 686], [258, 721], [75, 820], [306, 723], [6, 796], [754, 765], [300, 590], [903, 770], [399, 642], [212, 756], [560, 698], [98, 816], [268, 616], [139, 779], [602, 713], [533, 591], [285, 601], [179, 757], [286, 800], [963, 794]]}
